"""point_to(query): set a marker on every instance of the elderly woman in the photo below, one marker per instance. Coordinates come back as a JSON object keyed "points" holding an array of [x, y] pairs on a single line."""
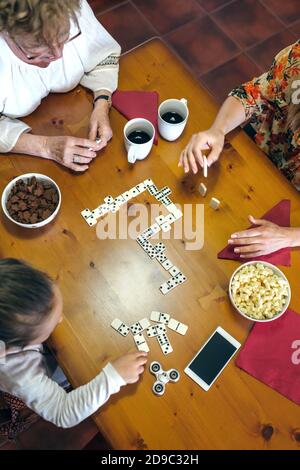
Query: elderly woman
{"points": [[271, 106], [51, 46]]}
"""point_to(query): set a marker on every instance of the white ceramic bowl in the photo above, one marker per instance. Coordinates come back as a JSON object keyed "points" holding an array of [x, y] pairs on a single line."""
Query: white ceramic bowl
{"points": [[25, 177], [276, 271]]}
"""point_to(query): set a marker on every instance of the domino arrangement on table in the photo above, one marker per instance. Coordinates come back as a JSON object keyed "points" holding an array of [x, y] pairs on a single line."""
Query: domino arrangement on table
{"points": [[158, 330], [162, 223]]}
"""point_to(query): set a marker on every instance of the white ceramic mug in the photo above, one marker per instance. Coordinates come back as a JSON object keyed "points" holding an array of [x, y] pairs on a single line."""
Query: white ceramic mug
{"points": [[168, 130], [138, 151]]}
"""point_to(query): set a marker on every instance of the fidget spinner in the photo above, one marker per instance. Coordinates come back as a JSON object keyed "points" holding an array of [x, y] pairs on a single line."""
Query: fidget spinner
{"points": [[162, 377]]}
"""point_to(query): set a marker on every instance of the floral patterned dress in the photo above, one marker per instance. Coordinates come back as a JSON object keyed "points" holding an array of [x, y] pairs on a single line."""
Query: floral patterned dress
{"points": [[266, 100]]}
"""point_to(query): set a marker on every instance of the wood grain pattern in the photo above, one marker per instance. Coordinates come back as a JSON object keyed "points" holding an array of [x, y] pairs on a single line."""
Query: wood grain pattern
{"points": [[101, 280]]}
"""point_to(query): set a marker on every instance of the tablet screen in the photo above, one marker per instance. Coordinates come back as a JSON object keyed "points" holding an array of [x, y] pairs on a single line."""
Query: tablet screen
{"points": [[212, 358]]}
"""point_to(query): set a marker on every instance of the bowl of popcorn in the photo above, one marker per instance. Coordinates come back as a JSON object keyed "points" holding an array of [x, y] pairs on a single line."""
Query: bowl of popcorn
{"points": [[259, 291], [31, 200]]}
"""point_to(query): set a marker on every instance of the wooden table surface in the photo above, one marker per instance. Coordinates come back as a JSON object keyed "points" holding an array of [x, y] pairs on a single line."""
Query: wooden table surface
{"points": [[101, 280]]}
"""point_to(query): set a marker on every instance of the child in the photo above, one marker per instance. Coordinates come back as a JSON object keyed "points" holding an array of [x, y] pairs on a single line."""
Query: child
{"points": [[30, 308]]}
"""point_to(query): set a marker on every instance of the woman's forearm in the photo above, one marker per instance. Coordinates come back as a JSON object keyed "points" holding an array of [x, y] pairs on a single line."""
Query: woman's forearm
{"points": [[103, 105], [293, 236], [29, 144], [230, 115], [102, 92]]}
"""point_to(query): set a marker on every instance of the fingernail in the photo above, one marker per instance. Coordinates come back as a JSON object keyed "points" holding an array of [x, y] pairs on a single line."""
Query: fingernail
{"points": [[233, 235], [230, 242], [236, 250]]}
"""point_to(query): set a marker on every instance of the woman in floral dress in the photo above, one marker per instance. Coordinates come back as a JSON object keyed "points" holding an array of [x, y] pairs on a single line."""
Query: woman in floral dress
{"points": [[270, 106]]}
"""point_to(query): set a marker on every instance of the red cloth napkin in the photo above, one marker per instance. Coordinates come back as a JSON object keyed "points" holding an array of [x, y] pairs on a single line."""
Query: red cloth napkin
{"points": [[280, 215], [138, 104], [271, 354]]}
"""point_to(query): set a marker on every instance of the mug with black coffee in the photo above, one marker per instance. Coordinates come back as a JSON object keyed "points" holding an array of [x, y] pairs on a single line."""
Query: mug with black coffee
{"points": [[172, 118], [138, 136]]}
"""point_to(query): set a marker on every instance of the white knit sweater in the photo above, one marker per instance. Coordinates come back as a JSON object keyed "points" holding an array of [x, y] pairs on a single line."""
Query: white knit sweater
{"points": [[91, 60]]}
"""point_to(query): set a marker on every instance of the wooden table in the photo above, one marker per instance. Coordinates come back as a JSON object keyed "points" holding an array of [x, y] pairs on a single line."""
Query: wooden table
{"points": [[101, 280]]}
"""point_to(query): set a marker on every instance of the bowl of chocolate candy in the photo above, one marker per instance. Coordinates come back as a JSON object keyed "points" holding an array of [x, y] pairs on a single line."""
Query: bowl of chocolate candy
{"points": [[31, 200]]}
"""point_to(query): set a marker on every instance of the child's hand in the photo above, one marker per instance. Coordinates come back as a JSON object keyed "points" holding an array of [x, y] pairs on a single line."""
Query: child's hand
{"points": [[131, 366]]}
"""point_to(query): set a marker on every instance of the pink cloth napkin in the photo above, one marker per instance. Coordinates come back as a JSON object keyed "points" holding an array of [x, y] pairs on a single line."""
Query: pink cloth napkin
{"points": [[280, 215], [271, 354], [138, 104]]}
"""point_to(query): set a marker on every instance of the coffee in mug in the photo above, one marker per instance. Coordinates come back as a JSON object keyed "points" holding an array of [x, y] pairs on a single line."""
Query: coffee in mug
{"points": [[138, 137], [172, 118]]}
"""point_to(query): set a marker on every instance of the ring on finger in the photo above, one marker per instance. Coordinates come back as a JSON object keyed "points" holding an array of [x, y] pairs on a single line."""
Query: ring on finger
{"points": [[76, 159]]}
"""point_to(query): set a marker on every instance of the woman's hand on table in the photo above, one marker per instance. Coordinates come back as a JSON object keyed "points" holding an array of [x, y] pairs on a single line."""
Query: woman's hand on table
{"points": [[263, 239], [99, 124], [131, 366], [191, 157], [71, 152]]}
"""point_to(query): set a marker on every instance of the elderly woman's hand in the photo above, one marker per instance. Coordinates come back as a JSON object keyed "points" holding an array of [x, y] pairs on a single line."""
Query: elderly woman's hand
{"points": [[72, 152], [263, 239], [99, 124]]}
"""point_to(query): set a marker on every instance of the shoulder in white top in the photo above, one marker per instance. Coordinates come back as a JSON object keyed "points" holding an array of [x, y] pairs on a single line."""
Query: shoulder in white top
{"points": [[24, 375]]}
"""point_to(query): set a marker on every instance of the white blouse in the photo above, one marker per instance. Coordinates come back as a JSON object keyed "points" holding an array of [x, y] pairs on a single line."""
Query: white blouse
{"points": [[24, 374], [92, 59]]}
